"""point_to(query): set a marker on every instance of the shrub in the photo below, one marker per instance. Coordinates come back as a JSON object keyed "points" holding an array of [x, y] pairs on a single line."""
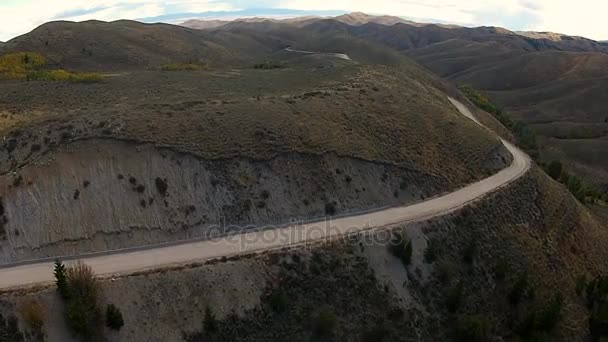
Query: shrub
{"points": [[330, 209], [180, 67], [33, 314], [445, 272], [268, 65], [161, 186], [501, 269], [550, 315], [472, 328], [453, 299], [554, 169], [210, 323], [469, 252], [278, 301], [519, 289], [401, 248], [114, 319], [17, 65], [431, 252], [581, 284], [63, 75], [376, 334], [82, 315], [324, 323]]}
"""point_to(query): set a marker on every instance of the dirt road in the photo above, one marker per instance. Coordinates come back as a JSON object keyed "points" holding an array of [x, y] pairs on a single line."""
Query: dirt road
{"points": [[153, 257]]}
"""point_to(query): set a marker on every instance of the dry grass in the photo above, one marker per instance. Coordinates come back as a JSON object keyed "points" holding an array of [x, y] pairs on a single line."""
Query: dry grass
{"points": [[33, 313], [62, 75], [180, 67], [373, 113], [82, 280]]}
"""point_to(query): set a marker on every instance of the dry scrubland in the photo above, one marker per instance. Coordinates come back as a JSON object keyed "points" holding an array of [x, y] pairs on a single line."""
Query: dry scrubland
{"points": [[478, 274], [198, 148], [194, 139]]}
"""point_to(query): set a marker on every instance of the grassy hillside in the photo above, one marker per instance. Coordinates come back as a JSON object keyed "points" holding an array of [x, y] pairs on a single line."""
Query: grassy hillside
{"points": [[119, 45]]}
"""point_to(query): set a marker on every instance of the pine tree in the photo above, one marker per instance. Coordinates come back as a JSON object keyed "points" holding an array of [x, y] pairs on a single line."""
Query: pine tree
{"points": [[61, 279]]}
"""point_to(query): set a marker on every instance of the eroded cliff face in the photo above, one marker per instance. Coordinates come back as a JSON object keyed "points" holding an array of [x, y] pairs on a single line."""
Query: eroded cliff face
{"points": [[97, 195]]}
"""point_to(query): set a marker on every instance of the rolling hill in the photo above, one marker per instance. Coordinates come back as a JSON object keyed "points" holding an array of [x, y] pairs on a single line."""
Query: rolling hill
{"points": [[258, 136], [119, 45]]}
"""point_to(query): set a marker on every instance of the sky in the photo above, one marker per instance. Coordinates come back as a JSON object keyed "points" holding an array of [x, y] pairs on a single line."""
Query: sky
{"points": [[582, 17]]}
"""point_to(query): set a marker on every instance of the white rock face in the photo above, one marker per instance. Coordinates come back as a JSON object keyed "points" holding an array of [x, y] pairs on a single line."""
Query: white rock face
{"points": [[99, 195]]}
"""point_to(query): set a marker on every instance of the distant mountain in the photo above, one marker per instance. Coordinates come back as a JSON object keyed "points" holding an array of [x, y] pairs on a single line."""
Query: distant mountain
{"points": [[204, 24], [352, 19], [358, 19]]}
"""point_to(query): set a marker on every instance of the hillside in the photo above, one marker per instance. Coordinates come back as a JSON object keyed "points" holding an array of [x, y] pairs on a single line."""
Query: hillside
{"points": [[188, 134], [119, 45], [531, 243], [560, 94], [544, 81], [383, 135]]}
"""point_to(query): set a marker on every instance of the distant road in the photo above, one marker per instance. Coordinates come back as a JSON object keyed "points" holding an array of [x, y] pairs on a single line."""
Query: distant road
{"points": [[143, 258], [337, 55]]}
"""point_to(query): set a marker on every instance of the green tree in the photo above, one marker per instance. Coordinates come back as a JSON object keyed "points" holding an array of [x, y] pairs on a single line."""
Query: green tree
{"points": [[61, 279]]}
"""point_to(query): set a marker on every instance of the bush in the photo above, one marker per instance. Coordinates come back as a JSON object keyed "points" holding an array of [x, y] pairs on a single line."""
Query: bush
{"points": [[549, 316], [445, 272], [82, 315], [376, 334], [330, 209], [17, 65], [180, 67], [34, 315], [402, 248], [431, 252], [268, 65], [114, 319], [324, 323], [519, 289], [581, 284], [210, 323], [278, 302], [63, 75], [469, 252], [472, 328], [501, 269], [554, 169], [453, 299]]}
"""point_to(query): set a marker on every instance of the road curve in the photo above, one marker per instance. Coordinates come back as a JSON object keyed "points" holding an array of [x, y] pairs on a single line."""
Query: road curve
{"points": [[333, 54], [256, 241]]}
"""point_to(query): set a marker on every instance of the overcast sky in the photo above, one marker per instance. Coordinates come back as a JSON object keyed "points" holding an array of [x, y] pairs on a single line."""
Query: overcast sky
{"points": [[582, 17]]}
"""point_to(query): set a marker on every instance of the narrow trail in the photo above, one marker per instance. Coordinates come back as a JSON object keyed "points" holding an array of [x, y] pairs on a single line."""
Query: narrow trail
{"points": [[150, 257]]}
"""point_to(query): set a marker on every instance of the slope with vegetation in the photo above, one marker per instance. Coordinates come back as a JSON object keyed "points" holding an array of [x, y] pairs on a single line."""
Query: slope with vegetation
{"points": [[252, 146], [174, 152]]}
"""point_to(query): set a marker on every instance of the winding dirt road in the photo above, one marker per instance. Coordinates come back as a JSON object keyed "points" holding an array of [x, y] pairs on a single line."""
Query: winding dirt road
{"points": [[132, 260]]}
